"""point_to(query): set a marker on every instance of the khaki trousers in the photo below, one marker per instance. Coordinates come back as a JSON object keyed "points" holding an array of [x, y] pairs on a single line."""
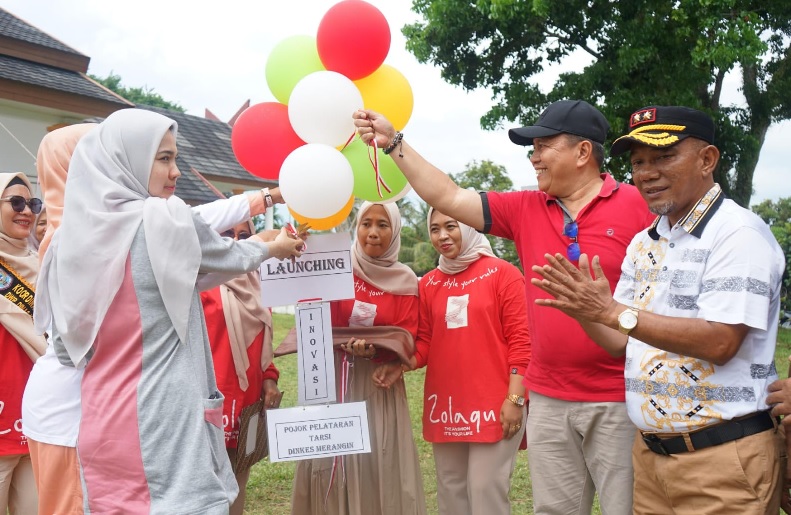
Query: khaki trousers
{"points": [[741, 477], [57, 472], [575, 449], [17, 485], [475, 478]]}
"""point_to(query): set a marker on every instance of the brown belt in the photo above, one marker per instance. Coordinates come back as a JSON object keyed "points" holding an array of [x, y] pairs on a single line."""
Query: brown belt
{"points": [[721, 433]]}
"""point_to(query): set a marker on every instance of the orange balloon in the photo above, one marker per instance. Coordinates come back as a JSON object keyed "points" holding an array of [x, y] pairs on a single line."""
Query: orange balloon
{"points": [[388, 92], [325, 224]]}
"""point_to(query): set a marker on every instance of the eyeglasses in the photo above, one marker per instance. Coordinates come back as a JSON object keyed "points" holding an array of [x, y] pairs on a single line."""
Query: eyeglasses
{"points": [[19, 202], [571, 231], [241, 235]]}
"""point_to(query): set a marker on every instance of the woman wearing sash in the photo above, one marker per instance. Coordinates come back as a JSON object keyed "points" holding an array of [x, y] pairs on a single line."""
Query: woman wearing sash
{"points": [[240, 333], [150, 434], [20, 346], [388, 480]]}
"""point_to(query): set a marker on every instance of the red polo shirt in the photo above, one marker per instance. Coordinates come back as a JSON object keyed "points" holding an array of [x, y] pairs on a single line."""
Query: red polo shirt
{"points": [[565, 363]]}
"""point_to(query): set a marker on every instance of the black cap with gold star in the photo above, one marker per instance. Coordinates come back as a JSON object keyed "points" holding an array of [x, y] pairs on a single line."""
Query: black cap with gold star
{"points": [[664, 126]]}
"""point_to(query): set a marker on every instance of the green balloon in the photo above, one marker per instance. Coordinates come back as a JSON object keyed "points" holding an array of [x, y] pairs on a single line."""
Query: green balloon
{"points": [[365, 176], [290, 61]]}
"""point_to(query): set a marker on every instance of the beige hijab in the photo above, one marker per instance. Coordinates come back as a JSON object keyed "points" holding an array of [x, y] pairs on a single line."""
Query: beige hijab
{"points": [[24, 261], [52, 164], [384, 272], [105, 202], [245, 318], [473, 246]]}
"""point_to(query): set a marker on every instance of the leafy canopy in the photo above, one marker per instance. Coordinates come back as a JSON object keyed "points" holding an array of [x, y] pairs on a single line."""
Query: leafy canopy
{"points": [[639, 52], [144, 95]]}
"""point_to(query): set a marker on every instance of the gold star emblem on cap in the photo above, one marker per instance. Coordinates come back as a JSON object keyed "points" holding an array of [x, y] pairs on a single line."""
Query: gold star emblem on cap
{"points": [[647, 115], [636, 117]]}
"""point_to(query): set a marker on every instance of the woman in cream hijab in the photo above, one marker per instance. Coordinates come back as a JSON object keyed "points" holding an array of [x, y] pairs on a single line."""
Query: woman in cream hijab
{"points": [[473, 340], [377, 328], [120, 299], [20, 346]]}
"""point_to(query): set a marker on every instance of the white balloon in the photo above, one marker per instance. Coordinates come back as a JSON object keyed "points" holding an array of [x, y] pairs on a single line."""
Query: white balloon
{"points": [[320, 108], [316, 180], [401, 194]]}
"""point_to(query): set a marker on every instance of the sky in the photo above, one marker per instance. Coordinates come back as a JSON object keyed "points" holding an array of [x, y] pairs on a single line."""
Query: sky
{"points": [[202, 56]]}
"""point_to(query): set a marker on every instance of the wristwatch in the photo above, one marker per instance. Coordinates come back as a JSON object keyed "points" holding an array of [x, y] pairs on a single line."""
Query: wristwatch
{"points": [[516, 399], [627, 320], [267, 197]]}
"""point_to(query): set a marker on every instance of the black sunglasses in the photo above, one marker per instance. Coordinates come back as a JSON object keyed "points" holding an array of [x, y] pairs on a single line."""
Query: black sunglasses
{"points": [[19, 202], [242, 235]]}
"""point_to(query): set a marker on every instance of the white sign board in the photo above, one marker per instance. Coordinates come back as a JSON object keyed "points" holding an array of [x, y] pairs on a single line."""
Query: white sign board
{"points": [[307, 432], [323, 272], [315, 358]]}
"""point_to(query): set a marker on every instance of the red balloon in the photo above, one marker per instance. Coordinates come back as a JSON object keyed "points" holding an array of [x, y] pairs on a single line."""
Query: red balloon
{"points": [[262, 138], [353, 39]]}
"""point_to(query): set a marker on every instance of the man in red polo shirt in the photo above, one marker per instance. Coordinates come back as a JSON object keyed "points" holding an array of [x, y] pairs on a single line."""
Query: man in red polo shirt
{"points": [[578, 431]]}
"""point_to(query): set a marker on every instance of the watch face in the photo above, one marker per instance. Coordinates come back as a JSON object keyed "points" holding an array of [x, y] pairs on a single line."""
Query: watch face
{"points": [[627, 320]]}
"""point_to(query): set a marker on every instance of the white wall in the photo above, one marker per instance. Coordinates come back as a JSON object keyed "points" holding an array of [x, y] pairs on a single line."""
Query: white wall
{"points": [[21, 131]]}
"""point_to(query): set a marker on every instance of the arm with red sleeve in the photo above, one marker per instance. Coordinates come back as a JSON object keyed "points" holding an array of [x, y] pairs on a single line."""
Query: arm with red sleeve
{"points": [[513, 317], [424, 327]]}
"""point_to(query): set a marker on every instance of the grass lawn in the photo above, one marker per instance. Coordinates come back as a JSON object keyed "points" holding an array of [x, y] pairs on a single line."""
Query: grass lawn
{"points": [[269, 489]]}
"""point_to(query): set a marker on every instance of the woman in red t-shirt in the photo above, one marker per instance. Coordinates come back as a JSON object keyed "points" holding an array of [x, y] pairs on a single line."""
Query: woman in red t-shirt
{"points": [[473, 340], [20, 346], [388, 479], [240, 334]]}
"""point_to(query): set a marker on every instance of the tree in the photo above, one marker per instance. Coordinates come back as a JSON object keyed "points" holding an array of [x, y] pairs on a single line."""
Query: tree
{"points": [[641, 52], [778, 216], [487, 176], [144, 95]]}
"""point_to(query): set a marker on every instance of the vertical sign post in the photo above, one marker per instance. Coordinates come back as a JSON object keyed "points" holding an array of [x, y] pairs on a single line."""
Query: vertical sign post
{"points": [[315, 358]]}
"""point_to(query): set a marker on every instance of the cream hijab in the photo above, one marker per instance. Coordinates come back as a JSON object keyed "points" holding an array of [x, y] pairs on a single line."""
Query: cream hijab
{"points": [[473, 246], [106, 201], [52, 164], [384, 272], [24, 261], [245, 318]]}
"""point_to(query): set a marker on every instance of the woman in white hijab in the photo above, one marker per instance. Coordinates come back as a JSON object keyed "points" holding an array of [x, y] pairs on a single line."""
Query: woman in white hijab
{"points": [[117, 290], [473, 340]]}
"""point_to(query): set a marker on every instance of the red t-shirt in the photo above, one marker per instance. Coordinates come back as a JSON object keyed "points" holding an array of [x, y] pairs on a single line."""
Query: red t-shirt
{"points": [[473, 331], [566, 364], [236, 399], [15, 367], [374, 307]]}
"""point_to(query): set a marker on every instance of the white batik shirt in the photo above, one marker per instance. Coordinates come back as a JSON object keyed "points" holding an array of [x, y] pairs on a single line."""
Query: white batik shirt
{"points": [[720, 263]]}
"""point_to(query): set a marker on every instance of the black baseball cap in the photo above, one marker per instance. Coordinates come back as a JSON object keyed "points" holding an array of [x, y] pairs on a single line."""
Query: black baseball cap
{"points": [[664, 126], [565, 116]]}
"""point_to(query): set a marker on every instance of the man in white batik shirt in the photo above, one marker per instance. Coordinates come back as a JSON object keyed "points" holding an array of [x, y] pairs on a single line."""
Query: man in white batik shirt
{"points": [[696, 311]]}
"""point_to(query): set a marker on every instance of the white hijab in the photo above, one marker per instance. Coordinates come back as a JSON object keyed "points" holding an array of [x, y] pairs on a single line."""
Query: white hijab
{"points": [[106, 200], [473, 246]]}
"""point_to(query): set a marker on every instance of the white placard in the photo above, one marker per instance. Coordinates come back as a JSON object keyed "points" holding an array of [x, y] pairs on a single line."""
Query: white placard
{"points": [[315, 358], [308, 432], [323, 272]]}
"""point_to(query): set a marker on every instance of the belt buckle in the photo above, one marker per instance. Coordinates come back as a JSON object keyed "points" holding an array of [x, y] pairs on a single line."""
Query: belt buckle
{"points": [[654, 443]]}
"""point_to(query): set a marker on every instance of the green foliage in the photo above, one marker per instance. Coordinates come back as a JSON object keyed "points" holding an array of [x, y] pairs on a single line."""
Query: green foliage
{"points": [[487, 176], [778, 216], [641, 52], [144, 95], [416, 249]]}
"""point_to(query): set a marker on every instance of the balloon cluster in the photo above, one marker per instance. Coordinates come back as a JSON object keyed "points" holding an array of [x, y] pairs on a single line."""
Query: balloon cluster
{"points": [[306, 139]]}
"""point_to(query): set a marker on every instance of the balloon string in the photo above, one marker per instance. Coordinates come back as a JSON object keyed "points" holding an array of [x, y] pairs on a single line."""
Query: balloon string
{"points": [[351, 138], [375, 163]]}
